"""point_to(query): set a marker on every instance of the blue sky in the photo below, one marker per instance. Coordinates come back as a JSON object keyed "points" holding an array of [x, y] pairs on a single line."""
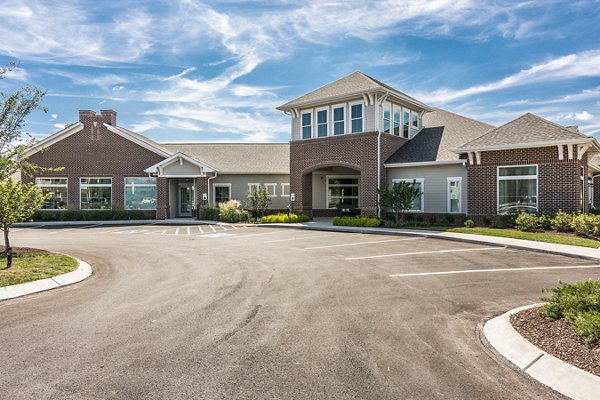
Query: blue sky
{"points": [[180, 71]]}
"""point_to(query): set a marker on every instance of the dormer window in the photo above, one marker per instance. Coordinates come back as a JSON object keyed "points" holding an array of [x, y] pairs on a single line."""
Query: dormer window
{"points": [[339, 127], [387, 116], [322, 122], [415, 120], [405, 123], [396, 122], [356, 116], [306, 125]]}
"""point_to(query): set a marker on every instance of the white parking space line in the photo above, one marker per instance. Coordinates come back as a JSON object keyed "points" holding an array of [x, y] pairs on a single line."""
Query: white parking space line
{"points": [[415, 253], [188, 231], [234, 227], [222, 227], [470, 271], [297, 238], [176, 231], [361, 243], [212, 227], [199, 228], [163, 232]]}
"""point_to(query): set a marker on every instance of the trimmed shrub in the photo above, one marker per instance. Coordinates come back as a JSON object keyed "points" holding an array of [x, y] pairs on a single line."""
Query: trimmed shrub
{"points": [[230, 212], [579, 303], [357, 221], [282, 218], [545, 222], [469, 223], [449, 220], [208, 214], [561, 221], [527, 222], [90, 215], [584, 224]]}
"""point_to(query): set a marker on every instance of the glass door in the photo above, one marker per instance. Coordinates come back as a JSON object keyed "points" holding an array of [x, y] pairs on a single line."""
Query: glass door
{"points": [[185, 200]]}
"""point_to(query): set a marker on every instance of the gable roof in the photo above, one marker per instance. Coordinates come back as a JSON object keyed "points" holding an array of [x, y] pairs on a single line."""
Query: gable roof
{"points": [[442, 132], [139, 140], [357, 83], [54, 138], [180, 157], [238, 158], [528, 130]]}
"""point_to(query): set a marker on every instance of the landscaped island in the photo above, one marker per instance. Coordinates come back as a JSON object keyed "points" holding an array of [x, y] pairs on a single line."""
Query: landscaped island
{"points": [[34, 264]]}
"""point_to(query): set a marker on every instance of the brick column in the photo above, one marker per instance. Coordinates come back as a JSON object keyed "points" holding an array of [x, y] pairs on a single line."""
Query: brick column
{"points": [[162, 198]]}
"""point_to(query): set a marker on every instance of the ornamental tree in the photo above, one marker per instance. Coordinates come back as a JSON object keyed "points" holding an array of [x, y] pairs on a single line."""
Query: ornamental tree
{"points": [[399, 197], [18, 202], [258, 201]]}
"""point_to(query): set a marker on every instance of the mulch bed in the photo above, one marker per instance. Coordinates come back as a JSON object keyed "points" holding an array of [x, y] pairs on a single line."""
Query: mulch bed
{"points": [[556, 338], [19, 251]]}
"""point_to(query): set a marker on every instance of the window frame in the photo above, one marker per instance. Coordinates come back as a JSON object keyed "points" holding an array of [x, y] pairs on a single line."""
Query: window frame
{"points": [[389, 120], [125, 185], [392, 127], [327, 177], [406, 123], [81, 186], [317, 124], [302, 126], [271, 185], [448, 207], [66, 186], [421, 181], [253, 184], [414, 117], [362, 117], [518, 177], [214, 192], [343, 120], [283, 186]]}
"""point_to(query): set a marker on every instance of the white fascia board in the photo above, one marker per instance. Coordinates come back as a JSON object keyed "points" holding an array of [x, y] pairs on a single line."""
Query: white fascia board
{"points": [[176, 157], [54, 138], [124, 134], [425, 163], [529, 145]]}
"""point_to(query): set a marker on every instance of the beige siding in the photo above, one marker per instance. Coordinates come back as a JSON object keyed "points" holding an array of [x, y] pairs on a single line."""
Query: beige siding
{"points": [[239, 187], [184, 169], [369, 119], [435, 197], [319, 190], [296, 129]]}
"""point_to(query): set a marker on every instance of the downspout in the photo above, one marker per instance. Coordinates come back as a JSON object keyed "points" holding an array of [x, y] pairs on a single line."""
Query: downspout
{"points": [[378, 103], [208, 189]]}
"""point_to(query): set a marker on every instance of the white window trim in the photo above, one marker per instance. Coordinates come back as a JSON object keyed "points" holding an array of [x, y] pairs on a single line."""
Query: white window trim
{"points": [[343, 106], [394, 108], [214, 192], [65, 185], [317, 110], [417, 180], [327, 177], [459, 180], [283, 186], [312, 123], [390, 119], [353, 103], [125, 185], [412, 115], [517, 177], [253, 184], [405, 110], [81, 185], [272, 185]]}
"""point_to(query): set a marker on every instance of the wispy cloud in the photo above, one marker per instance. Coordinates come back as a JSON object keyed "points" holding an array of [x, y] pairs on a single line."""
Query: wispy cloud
{"points": [[179, 75]]}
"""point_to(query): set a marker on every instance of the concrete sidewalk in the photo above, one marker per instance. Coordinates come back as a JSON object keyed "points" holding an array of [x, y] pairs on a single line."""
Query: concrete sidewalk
{"points": [[82, 272]]}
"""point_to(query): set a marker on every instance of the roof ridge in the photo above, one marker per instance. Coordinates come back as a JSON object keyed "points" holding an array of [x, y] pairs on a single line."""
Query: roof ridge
{"points": [[465, 117], [555, 124]]}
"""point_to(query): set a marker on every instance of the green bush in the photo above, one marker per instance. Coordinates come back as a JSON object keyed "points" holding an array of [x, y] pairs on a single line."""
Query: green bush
{"points": [[209, 214], [579, 303], [545, 222], [90, 215], [527, 222], [584, 224], [357, 221], [469, 223], [230, 212], [500, 221], [284, 218], [562, 221]]}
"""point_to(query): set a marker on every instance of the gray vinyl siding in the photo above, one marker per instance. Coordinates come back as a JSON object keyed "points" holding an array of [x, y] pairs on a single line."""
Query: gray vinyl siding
{"points": [[369, 119], [319, 190], [296, 129], [435, 193], [239, 187]]}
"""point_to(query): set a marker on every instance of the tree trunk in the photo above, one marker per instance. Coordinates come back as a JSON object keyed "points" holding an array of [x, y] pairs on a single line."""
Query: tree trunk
{"points": [[7, 249]]}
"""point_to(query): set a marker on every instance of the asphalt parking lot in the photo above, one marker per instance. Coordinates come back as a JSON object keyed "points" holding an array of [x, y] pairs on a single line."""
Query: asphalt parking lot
{"points": [[237, 312]]}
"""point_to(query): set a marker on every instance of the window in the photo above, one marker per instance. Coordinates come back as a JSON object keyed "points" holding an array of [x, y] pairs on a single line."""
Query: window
{"points": [[58, 188], [322, 123], [356, 115], [306, 125], [517, 189], [454, 194], [222, 192], [419, 201], [387, 115], [339, 127], [254, 186], [396, 122], [95, 193], [140, 193], [285, 190], [415, 119], [405, 123], [271, 189], [342, 191]]}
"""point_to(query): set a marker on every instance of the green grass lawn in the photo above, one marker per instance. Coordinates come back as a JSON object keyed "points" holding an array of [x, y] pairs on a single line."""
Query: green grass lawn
{"points": [[547, 237], [33, 265]]}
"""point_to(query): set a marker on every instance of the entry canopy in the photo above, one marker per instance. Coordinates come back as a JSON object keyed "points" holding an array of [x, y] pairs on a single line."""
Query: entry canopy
{"points": [[179, 165]]}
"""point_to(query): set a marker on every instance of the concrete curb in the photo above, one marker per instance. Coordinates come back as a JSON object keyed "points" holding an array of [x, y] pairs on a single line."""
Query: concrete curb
{"points": [[82, 272], [542, 247], [543, 367]]}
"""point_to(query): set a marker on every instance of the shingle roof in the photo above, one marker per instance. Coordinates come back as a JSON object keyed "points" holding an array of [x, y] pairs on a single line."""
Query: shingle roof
{"points": [[240, 158], [354, 84], [527, 129], [442, 132]]}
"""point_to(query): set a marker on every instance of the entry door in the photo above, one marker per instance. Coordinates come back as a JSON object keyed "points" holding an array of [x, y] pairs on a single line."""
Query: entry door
{"points": [[185, 200]]}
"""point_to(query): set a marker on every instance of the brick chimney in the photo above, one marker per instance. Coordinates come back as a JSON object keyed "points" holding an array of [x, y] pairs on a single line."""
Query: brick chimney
{"points": [[94, 123]]}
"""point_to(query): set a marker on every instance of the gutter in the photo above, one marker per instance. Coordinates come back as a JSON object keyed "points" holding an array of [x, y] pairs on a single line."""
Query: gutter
{"points": [[527, 145], [208, 189], [425, 163]]}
